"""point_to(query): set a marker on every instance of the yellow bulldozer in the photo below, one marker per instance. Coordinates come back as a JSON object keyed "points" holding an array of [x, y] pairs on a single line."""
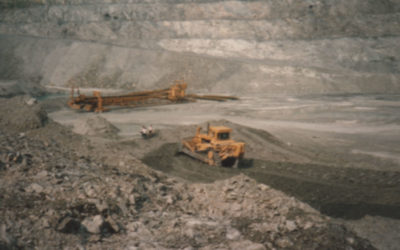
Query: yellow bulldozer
{"points": [[215, 148]]}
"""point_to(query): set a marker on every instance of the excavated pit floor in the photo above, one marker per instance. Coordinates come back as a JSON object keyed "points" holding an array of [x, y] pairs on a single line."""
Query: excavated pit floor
{"points": [[337, 192], [338, 153]]}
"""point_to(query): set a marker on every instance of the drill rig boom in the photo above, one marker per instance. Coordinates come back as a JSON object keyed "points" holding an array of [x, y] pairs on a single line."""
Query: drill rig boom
{"points": [[174, 94]]}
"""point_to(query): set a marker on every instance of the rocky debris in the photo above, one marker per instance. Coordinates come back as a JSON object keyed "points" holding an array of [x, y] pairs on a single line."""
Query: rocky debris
{"points": [[264, 215], [94, 224], [34, 187], [69, 225], [31, 101], [246, 244], [6, 241], [20, 114], [68, 195], [96, 126], [382, 234]]}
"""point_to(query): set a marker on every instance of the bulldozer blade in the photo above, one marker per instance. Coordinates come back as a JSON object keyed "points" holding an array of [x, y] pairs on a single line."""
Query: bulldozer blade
{"points": [[195, 155]]}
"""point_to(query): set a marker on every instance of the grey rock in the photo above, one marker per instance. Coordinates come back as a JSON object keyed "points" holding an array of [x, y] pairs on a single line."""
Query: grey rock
{"points": [[89, 189], [42, 174], [101, 205], [93, 224], [112, 225], [4, 237], [69, 225], [284, 242], [45, 223], [34, 187], [232, 234], [246, 244], [121, 204], [169, 199], [31, 101], [291, 225]]}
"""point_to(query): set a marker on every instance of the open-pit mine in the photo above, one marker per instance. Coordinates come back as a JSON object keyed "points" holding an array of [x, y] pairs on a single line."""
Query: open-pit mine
{"points": [[302, 96]]}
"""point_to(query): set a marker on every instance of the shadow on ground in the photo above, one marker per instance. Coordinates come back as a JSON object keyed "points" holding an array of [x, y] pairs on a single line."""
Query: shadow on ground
{"points": [[338, 192]]}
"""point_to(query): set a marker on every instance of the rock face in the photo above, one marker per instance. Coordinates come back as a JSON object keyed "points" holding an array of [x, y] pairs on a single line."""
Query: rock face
{"points": [[284, 47]]}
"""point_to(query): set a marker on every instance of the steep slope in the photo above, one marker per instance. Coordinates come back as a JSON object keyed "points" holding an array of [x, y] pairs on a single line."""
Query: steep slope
{"points": [[273, 47]]}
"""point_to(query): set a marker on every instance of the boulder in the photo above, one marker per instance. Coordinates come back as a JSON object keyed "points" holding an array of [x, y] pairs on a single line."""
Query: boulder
{"points": [[93, 224], [69, 225]]}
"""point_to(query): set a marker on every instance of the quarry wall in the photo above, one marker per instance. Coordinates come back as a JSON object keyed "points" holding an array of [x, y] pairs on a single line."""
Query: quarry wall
{"points": [[241, 47]]}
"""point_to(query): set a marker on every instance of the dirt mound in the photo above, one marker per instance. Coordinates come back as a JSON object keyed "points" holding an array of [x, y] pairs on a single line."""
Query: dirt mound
{"points": [[22, 113], [96, 126]]}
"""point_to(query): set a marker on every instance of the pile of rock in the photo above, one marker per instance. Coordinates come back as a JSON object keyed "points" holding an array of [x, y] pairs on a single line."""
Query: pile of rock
{"points": [[22, 113], [266, 216], [96, 126]]}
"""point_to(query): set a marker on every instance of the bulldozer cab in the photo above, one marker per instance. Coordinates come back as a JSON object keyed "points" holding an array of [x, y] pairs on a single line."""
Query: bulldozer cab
{"points": [[220, 133]]}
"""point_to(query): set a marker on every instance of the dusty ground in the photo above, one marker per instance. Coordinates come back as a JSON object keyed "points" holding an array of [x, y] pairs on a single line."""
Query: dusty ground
{"points": [[62, 190], [317, 149], [75, 179]]}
